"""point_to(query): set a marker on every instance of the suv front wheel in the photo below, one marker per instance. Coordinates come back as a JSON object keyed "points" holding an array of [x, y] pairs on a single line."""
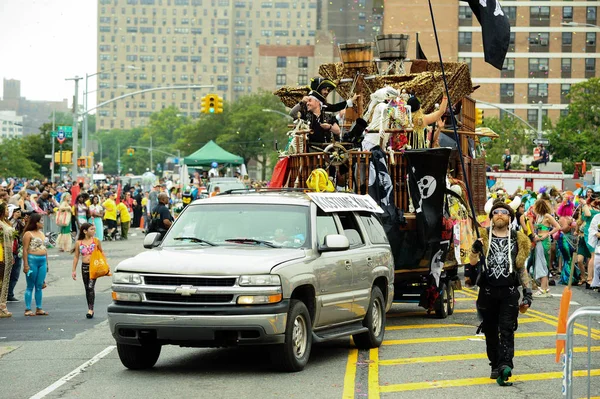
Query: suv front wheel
{"points": [[374, 321], [294, 353], [138, 357]]}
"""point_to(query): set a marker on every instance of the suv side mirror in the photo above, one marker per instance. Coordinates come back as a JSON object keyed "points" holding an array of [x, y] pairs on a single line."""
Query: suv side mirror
{"points": [[335, 242], [152, 240]]}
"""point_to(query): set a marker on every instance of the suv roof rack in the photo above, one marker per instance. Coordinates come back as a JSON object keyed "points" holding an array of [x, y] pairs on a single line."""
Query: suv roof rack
{"points": [[264, 190]]}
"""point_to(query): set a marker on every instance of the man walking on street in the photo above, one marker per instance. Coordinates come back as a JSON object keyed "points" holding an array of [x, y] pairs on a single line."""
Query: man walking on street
{"points": [[161, 217], [501, 254]]}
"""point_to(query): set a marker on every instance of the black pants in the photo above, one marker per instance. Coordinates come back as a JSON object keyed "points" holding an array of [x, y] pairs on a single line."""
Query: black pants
{"points": [[89, 285], [499, 307]]}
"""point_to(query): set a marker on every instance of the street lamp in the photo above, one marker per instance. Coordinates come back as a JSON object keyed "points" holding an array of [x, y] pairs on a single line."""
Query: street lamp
{"points": [[579, 24], [277, 112]]}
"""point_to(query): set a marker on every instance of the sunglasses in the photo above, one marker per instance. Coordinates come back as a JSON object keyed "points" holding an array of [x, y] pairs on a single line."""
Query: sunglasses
{"points": [[500, 212]]}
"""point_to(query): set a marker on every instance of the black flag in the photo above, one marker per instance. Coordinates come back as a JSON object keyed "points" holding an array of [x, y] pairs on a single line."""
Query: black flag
{"points": [[427, 183], [420, 53], [495, 30]]}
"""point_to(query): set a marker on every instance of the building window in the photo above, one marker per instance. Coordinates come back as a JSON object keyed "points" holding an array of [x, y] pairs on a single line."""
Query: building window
{"points": [[591, 14], [538, 90], [281, 62], [465, 13], [539, 12], [590, 39], [567, 13], [539, 39], [567, 38], [565, 89], [538, 65], [302, 62], [564, 112], [565, 65], [510, 12], [509, 64], [464, 38], [280, 80], [532, 115], [303, 80], [590, 65], [507, 89], [466, 60]]}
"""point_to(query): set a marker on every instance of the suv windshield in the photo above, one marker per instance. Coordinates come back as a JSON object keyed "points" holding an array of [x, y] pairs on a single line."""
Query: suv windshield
{"points": [[284, 226]]}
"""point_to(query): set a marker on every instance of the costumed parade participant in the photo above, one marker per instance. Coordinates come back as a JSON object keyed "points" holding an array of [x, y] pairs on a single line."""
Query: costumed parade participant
{"points": [[501, 254], [322, 87], [321, 124]]}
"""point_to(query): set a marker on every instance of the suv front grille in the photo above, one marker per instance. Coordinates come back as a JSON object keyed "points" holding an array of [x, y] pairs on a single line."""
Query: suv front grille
{"points": [[195, 281], [201, 298]]}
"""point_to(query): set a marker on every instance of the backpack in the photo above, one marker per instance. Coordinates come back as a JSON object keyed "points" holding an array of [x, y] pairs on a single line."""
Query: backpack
{"points": [[545, 155], [155, 222]]}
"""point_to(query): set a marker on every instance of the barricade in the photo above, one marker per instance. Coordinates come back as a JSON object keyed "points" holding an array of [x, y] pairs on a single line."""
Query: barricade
{"points": [[567, 386], [50, 225]]}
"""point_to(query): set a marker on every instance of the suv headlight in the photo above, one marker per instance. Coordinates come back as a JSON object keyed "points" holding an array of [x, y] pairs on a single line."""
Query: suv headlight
{"points": [[126, 278], [260, 280]]}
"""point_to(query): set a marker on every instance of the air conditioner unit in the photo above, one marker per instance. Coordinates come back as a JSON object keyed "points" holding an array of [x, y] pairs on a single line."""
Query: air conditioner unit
{"points": [[543, 42], [543, 67], [543, 94], [510, 93], [510, 67]]}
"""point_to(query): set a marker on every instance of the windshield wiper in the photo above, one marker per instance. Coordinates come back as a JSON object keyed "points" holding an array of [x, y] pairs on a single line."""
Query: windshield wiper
{"points": [[252, 241], [195, 239]]}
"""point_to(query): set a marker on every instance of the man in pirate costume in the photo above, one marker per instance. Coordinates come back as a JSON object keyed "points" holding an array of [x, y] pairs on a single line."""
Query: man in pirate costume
{"points": [[501, 253], [323, 125], [322, 87]]}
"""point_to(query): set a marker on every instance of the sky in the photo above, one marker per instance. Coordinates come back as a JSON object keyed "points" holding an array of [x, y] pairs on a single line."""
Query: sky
{"points": [[42, 42]]}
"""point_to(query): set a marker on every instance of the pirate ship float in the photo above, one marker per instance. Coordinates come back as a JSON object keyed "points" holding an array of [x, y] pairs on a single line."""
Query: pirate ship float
{"points": [[427, 223]]}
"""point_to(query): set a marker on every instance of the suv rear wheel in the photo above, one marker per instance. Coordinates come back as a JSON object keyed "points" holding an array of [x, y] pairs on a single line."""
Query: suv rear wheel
{"points": [[138, 357], [374, 321], [294, 353]]}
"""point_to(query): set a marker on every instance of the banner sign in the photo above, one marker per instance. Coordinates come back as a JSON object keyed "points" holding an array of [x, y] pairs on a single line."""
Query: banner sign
{"points": [[344, 202]]}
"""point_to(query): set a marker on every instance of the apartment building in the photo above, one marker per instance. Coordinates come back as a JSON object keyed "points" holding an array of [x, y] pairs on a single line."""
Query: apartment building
{"points": [[146, 44], [553, 46], [352, 21]]}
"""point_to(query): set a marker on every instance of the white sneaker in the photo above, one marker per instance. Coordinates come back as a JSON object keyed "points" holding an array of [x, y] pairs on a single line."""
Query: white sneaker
{"points": [[542, 294]]}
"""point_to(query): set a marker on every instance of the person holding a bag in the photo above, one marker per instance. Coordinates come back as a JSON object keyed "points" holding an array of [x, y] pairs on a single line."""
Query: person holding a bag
{"points": [[85, 246], [63, 220]]}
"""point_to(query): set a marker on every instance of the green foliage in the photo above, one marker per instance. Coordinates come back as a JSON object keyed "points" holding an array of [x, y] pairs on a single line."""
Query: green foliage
{"points": [[513, 134], [14, 161], [576, 135]]}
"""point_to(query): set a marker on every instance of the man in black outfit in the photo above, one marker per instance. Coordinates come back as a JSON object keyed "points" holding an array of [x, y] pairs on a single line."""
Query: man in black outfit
{"points": [[322, 125], [161, 216], [501, 253]]}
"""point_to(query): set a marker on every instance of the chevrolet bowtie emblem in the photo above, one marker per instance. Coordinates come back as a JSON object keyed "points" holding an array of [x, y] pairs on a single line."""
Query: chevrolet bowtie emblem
{"points": [[185, 290]]}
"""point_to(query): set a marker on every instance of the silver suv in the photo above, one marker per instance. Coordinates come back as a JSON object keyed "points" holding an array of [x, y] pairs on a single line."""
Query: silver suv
{"points": [[281, 268]]}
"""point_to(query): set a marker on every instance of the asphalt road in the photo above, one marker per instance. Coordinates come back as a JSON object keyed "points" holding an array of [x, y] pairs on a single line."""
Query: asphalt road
{"points": [[65, 355]]}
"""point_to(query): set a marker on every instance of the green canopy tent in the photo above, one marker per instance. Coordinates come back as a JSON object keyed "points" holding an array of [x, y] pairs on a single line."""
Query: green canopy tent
{"points": [[211, 152]]}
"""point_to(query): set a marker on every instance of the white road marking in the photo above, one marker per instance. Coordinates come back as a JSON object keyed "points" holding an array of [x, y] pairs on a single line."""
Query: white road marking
{"points": [[73, 373], [54, 256]]}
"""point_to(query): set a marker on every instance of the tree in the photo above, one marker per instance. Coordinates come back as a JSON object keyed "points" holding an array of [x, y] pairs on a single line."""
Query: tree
{"points": [[16, 162], [576, 135]]}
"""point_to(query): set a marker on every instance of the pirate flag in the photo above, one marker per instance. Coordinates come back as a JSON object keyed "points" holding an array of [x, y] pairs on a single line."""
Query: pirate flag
{"points": [[495, 29], [427, 185]]}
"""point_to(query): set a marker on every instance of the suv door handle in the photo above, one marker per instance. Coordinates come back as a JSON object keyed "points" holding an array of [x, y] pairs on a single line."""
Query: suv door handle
{"points": [[348, 264]]}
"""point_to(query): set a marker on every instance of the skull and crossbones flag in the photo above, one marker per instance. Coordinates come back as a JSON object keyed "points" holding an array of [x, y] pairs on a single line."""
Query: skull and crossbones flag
{"points": [[495, 29], [427, 184]]}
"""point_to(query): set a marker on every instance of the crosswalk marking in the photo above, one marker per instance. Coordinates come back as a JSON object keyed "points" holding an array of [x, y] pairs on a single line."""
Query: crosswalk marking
{"points": [[350, 376], [415, 386], [475, 356]]}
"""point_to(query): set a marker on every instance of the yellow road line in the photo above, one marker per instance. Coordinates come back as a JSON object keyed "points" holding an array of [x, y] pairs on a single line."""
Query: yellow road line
{"points": [[576, 331], [461, 338], [425, 326], [475, 356], [542, 314], [415, 386], [374, 373], [349, 377], [469, 299]]}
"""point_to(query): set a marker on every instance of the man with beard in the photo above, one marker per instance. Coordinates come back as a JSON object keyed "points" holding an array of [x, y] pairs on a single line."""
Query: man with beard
{"points": [[322, 125], [501, 253]]}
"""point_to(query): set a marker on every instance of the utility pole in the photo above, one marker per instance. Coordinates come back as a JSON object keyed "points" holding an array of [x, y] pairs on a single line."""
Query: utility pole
{"points": [[539, 126], [118, 158], [52, 138], [151, 161], [75, 125]]}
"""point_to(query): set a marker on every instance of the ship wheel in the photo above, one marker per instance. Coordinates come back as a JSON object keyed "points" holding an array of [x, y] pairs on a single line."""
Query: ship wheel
{"points": [[338, 154]]}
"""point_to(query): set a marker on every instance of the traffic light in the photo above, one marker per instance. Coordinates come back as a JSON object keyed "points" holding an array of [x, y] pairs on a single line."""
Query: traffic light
{"points": [[82, 162], [66, 157], [130, 152], [219, 108], [209, 104], [478, 116]]}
